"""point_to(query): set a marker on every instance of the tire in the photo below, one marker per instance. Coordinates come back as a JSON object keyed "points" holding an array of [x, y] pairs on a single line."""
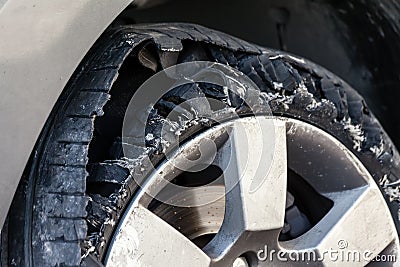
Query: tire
{"points": [[76, 182]]}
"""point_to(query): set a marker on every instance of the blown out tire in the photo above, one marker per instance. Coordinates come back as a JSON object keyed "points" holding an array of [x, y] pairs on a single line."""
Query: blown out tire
{"points": [[76, 184]]}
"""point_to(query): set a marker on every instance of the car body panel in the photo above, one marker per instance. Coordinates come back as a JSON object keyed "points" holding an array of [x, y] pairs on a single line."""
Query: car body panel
{"points": [[41, 44]]}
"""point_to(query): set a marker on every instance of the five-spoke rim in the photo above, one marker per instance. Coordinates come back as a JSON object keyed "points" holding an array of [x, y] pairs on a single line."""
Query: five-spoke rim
{"points": [[255, 158]]}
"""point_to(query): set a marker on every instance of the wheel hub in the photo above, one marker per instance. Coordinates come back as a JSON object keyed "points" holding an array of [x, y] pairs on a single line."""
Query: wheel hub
{"points": [[231, 220]]}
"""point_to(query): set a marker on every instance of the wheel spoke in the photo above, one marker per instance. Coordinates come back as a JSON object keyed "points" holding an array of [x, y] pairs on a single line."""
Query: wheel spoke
{"points": [[147, 240], [353, 227], [322, 161], [257, 176]]}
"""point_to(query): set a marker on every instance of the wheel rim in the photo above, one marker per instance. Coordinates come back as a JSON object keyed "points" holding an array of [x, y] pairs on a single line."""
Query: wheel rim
{"points": [[238, 226]]}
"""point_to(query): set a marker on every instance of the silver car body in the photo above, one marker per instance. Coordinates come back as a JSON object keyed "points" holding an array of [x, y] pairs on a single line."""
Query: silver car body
{"points": [[41, 44]]}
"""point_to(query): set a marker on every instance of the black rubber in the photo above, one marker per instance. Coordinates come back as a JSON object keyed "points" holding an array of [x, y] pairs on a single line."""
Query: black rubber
{"points": [[79, 183]]}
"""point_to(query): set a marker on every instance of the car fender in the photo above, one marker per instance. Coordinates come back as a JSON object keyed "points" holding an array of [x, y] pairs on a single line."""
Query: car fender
{"points": [[41, 44]]}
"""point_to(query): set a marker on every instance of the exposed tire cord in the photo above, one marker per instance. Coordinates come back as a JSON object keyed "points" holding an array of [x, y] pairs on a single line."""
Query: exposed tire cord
{"points": [[73, 217]]}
